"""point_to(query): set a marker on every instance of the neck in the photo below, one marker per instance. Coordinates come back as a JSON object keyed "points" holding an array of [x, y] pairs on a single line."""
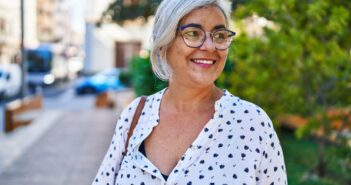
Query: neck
{"points": [[182, 99]]}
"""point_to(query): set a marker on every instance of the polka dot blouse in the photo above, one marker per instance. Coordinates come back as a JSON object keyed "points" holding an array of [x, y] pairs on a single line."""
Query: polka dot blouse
{"points": [[238, 146]]}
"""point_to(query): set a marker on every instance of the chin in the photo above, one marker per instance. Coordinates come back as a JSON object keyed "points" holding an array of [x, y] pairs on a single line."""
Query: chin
{"points": [[203, 82]]}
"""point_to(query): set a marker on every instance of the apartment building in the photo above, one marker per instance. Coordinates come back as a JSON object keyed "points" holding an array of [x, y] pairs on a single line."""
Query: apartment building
{"points": [[10, 28]]}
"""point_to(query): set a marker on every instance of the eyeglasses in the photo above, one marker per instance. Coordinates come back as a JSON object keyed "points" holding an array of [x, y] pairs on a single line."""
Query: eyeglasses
{"points": [[195, 36]]}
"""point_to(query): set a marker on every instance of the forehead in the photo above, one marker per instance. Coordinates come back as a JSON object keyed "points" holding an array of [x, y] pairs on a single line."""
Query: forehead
{"points": [[205, 16]]}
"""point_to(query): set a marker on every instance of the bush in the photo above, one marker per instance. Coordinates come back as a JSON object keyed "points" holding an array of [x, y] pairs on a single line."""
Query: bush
{"points": [[301, 159], [126, 78], [144, 80], [300, 65]]}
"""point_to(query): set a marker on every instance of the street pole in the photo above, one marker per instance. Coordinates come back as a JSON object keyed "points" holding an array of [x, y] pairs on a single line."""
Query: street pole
{"points": [[23, 54]]}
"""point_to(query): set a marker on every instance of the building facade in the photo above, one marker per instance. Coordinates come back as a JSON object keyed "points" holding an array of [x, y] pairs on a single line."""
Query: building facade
{"points": [[10, 28]]}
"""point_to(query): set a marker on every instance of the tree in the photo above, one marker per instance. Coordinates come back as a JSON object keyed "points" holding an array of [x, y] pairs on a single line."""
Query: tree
{"points": [[119, 10], [300, 67]]}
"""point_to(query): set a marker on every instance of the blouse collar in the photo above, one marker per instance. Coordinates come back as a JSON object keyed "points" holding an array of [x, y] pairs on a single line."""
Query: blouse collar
{"points": [[152, 107]]}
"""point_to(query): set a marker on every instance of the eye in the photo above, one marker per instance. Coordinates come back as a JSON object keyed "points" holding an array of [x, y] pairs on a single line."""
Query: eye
{"points": [[192, 34], [221, 36]]}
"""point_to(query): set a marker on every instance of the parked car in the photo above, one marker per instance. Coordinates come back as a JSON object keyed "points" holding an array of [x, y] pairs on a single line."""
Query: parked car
{"points": [[103, 81], [3, 80], [10, 80]]}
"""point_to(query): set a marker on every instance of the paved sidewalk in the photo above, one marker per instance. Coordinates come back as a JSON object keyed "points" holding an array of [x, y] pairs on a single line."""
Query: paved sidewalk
{"points": [[13, 144], [70, 151]]}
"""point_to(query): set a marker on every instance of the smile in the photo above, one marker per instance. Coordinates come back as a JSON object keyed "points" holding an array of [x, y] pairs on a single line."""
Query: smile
{"points": [[202, 61]]}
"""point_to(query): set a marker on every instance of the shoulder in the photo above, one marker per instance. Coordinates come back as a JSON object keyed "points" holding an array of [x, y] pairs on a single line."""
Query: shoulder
{"points": [[126, 116], [153, 100], [252, 122], [243, 106], [149, 100], [248, 113], [130, 109]]}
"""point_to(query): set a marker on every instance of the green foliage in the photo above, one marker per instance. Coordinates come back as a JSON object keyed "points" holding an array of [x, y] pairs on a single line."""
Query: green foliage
{"points": [[119, 11], [143, 79], [300, 66], [301, 159], [126, 78]]}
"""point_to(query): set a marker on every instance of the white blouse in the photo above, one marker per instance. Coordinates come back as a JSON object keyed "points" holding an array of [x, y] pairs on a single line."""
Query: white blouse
{"points": [[238, 146]]}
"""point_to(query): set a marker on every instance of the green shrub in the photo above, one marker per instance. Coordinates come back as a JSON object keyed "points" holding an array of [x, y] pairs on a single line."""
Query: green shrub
{"points": [[126, 78], [144, 81], [302, 64], [301, 160]]}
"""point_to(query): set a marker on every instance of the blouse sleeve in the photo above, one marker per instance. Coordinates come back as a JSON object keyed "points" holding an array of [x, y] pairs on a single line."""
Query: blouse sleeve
{"points": [[111, 163], [272, 167]]}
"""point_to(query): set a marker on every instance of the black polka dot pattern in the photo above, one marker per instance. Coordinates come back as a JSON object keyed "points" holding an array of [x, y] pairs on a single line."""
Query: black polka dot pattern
{"points": [[237, 146]]}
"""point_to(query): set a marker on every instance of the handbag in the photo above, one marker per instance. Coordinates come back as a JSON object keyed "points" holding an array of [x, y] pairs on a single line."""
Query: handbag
{"points": [[134, 122]]}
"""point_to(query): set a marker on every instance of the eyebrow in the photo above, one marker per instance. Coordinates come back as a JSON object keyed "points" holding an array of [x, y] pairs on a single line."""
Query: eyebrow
{"points": [[189, 25], [219, 27], [199, 26]]}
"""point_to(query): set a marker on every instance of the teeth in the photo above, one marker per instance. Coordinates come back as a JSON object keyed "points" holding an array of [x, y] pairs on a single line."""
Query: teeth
{"points": [[204, 61]]}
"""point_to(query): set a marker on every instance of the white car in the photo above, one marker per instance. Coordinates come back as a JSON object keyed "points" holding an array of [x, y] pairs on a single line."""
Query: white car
{"points": [[3, 80], [10, 80]]}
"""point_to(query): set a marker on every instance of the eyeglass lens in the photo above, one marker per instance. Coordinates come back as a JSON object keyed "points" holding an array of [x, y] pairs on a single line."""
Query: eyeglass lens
{"points": [[194, 37]]}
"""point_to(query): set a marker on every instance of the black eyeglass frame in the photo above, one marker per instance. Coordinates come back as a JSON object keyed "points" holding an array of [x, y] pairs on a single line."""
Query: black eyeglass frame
{"points": [[181, 28]]}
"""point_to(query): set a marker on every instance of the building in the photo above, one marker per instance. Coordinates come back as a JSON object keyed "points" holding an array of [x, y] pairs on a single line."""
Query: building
{"points": [[112, 45], [10, 28], [57, 28], [52, 20]]}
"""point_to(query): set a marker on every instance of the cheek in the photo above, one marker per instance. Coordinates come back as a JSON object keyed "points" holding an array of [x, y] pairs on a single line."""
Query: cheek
{"points": [[177, 53], [223, 57]]}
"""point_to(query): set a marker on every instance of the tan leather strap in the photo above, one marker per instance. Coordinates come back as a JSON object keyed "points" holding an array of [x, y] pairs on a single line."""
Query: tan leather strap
{"points": [[135, 121]]}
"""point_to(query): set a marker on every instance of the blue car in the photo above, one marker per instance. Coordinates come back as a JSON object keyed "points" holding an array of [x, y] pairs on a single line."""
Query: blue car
{"points": [[101, 82]]}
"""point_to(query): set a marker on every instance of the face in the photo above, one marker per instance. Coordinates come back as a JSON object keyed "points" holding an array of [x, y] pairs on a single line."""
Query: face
{"points": [[197, 67]]}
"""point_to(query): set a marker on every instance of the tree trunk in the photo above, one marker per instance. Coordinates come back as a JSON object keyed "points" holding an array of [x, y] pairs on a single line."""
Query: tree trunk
{"points": [[321, 166]]}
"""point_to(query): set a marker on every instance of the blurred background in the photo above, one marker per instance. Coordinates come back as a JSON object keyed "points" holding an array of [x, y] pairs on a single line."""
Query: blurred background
{"points": [[68, 67]]}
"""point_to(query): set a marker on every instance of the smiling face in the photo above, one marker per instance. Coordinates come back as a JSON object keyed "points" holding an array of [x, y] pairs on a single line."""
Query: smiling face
{"points": [[197, 67]]}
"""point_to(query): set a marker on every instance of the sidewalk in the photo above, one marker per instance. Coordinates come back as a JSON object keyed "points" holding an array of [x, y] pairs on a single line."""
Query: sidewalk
{"points": [[13, 144], [69, 151]]}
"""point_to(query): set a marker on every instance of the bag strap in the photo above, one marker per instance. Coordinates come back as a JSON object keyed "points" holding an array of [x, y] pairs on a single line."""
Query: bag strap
{"points": [[135, 121]]}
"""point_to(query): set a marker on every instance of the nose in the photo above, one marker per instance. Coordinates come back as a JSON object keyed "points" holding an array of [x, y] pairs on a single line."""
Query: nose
{"points": [[208, 43]]}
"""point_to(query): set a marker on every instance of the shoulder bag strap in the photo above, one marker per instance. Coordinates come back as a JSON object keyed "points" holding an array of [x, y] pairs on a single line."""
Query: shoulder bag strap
{"points": [[135, 121]]}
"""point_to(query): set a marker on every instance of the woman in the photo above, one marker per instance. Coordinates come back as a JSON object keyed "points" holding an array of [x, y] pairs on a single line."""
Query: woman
{"points": [[192, 132]]}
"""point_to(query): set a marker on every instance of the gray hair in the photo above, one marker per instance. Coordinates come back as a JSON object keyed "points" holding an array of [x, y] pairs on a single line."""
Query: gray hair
{"points": [[167, 18]]}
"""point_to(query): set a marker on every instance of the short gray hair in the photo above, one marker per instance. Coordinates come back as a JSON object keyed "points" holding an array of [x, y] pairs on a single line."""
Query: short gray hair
{"points": [[167, 18]]}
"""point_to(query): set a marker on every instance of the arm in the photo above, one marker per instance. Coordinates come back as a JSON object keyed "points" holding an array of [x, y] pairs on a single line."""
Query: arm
{"points": [[111, 163], [272, 167]]}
